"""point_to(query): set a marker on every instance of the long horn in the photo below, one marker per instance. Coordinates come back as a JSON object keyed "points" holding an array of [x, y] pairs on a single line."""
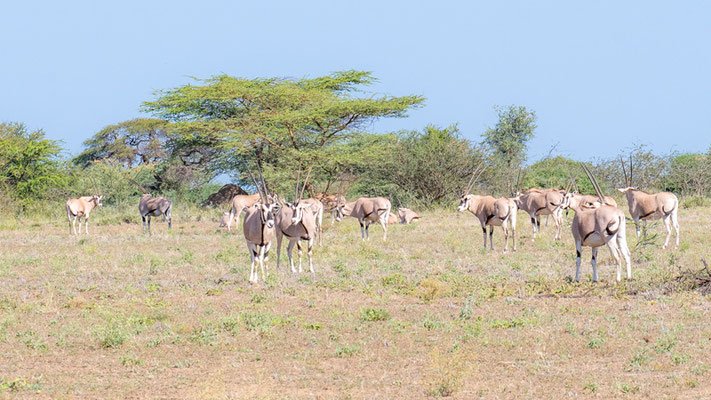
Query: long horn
{"points": [[593, 181], [259, 189], [137, 184], [264, 184], [296, 186], [308, 174], [624, 172], [630, 184]]}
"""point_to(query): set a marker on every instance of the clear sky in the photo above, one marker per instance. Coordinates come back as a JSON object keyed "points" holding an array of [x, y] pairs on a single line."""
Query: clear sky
{"points": [[601, 75]]}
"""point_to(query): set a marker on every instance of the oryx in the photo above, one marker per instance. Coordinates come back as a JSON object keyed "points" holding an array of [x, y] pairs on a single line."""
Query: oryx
{"points": [[645, 206], [367, 210], [491, 211], [330, 203], [599, 224], [297, 222], [259, 228], [239, 203], [80, 208], [537, 202], [317, 210], [407, 216], [149, 206]]}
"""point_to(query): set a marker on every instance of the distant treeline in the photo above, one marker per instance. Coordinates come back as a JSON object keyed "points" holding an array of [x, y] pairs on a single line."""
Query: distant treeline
{"points": [[226, 126]]}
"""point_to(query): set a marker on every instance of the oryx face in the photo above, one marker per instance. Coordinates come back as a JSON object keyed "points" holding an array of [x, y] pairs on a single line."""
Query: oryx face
{"points": [[266, 212], [97, 199], [464, 202], [297, 211]]}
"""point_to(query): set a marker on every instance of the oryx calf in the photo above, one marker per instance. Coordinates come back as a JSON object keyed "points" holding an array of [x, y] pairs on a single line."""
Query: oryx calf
{"points": [[150, 206], [259, 229], [80, 208], [367, 210], [239, 203], [645, 206], [492, 212]]}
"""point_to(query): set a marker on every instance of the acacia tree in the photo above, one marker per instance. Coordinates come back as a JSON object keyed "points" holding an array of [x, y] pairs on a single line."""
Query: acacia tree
{"points": [[277, 121], [507, 143]]}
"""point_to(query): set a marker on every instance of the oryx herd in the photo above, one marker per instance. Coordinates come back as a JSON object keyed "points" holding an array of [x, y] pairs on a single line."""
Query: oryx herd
{"points": [[597, 219]]}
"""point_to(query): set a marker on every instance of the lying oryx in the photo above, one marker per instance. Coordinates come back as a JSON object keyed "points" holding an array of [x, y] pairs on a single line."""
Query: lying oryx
{"points": [[492, 212], [80, 208], [240, 202], [645, 206], [598, 224], [537, 202], [407, 216], [367, 210], [150, 206]]}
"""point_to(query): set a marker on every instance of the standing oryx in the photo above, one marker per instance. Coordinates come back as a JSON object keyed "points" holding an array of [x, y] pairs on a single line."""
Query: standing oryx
{"points": [[367, 210], [149, 206], [297, 222], [317, 209], [259, 228], [239, 203], [598, 225], [537, 202], [645, 206], [492, 212], [330, 203], [80, 208]]}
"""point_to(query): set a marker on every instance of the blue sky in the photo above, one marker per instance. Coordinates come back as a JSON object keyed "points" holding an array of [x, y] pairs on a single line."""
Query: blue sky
{"points": [[601, 75]]}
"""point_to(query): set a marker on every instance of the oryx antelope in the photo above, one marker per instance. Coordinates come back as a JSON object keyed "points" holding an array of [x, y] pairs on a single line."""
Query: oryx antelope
{"points": [[81, 208], [317, 209], [600, 224], [537, 202], [330, 203], [367, 210], [407, 216], [393, 219], [259, 228], [492, 212], [575, 200], [150, 206], [297, 222], [239, 203], [645, 206]]}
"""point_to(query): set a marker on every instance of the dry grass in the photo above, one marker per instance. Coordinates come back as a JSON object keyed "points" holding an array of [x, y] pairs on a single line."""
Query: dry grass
{"points": [[429, 313]]}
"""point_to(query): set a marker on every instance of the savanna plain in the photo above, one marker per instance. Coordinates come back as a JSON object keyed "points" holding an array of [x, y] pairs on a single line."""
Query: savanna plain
{"points": [[429, 313]]}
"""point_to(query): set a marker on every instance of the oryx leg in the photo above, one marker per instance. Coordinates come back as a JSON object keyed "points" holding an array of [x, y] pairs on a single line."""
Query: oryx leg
{"points": [[533, 224], [512, 219], [483, 230], [362, 229], [624, 250], [279, 237], [675, 224], [253, 255], [491, 237], [300, 253], [261, 262], [505, 228], [169, 217], [578, 254], [73, 226], [615, 252], [86, 224], [384, 223], [557, 219], [265, 258], [144, 223], [231, 218], [667, 226], [636, 227], [310, 254], [367, 232], [594, 263], [289, 250], [538, 223], [149, 223]]}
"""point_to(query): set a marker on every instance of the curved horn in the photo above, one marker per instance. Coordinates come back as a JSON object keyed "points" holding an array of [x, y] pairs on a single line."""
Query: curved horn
{"points": [[630, 184]]}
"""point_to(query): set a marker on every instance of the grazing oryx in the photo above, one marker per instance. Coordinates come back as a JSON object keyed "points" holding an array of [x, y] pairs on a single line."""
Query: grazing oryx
{"points": [[367, 210], [537, 202], [259, 228], [330, 203], [297, 222], [80, 208], [645, 206], [492, 212], [600, 224], [239, 203], [407, 216]]}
